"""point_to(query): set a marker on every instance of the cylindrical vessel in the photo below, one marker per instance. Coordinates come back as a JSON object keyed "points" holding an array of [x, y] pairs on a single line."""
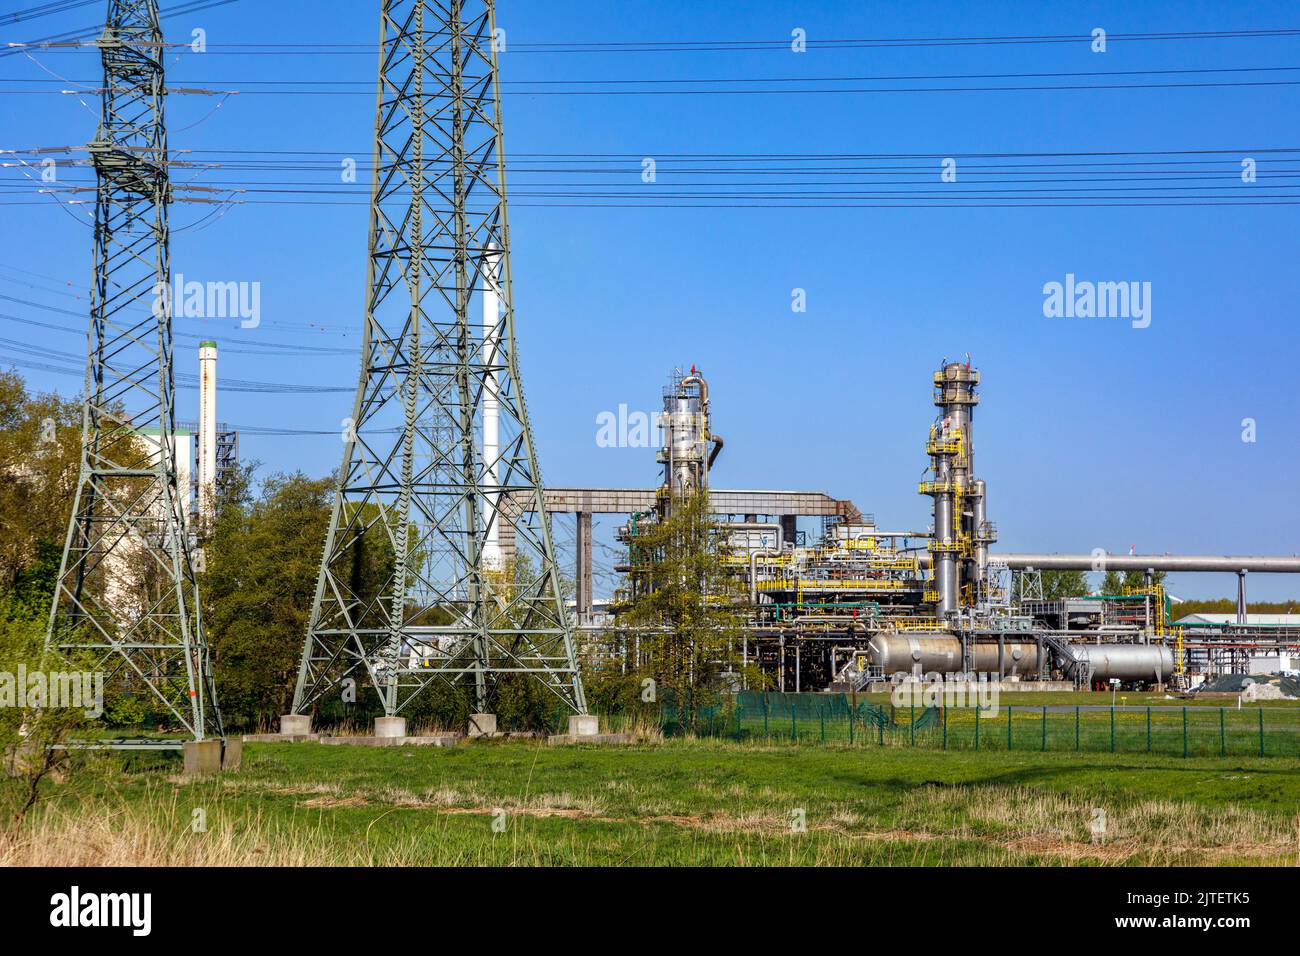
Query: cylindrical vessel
{"points": [[920, 653], [1019, 658], [687, 447], [928, 652], [945, 569], [1149, 663], [685, 423], [954, 395], [981, 520]]}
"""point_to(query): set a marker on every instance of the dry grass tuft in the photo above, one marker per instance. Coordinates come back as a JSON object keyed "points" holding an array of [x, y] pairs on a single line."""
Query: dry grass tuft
{"points": [[1157, 832]]}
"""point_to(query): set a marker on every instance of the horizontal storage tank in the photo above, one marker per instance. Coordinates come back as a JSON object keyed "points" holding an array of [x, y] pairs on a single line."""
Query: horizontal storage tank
{"points": [[1151, 663], [936, 652], [1019, 658]]}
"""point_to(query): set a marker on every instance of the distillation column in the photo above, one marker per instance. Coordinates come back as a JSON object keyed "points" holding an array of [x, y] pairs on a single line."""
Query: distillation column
{"points": [[685, 425], [962, 532]]}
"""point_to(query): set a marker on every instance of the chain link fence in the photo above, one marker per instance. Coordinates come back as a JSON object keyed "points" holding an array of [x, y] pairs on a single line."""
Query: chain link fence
{"points": [[1186, 731]]}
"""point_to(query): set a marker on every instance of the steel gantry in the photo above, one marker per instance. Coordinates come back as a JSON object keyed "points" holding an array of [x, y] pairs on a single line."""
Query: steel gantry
{"points": [[127, 598], [414, 586]]}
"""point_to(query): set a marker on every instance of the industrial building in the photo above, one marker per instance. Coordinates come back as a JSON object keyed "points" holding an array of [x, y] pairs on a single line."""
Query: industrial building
{"points": [[866, 603]]}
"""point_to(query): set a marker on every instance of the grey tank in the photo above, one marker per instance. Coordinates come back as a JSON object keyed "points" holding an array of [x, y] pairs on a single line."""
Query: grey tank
{"points": [[927, 652], [1153, 663]]}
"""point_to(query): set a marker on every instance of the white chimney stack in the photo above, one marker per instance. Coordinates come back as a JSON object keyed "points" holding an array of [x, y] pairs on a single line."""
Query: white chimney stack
{"points": [[492, 556], [207, 437]]}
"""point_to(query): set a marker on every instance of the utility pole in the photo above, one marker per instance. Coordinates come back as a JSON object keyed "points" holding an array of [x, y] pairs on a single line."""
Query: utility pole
{"points": [[127, 599], [418, 583]]}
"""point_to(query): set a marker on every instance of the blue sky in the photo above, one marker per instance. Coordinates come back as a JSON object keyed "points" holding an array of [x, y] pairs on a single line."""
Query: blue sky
{"points": [[1091, 433]]}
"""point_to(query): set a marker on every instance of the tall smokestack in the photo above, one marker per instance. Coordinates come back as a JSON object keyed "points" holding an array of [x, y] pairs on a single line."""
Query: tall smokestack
{"points": [[492, 556], [207, 437]]}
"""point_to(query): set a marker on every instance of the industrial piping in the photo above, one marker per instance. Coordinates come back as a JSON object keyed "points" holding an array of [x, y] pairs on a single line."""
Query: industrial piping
{"points": [[1279, 564]]}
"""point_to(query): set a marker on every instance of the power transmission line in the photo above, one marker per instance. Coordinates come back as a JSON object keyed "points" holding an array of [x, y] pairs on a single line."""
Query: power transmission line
{"points": [[369, 85], [759, 205], [44, 10], [747, 44], [269, 349], [700, 91], [183, 379], [81, 38], [523, 157]]}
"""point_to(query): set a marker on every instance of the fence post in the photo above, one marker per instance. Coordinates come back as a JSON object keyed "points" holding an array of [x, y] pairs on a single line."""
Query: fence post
{"points": [[850, 725], [1112, 728], [977, 729], [1009, 707], [737, 716], [881, 724], [1076, 726], [1184, 731], [1261, 731], [945, 728], [1148, 728], [1044, 728], [1223, 739], [914, 722]]}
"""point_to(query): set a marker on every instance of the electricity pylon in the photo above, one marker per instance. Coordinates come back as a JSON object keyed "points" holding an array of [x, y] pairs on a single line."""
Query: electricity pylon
{"points": [[127, 597], [418, 582]]}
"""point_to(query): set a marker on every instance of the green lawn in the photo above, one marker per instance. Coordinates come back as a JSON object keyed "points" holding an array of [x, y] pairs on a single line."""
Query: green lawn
{"points": [[679, 802]]}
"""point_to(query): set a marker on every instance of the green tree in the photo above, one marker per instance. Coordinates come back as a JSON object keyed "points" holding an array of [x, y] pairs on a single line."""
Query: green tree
{"points": [[40, 453], [262, 559], [1229, 606], [1058, 585], [1116, 581], [689, 616], [30, 758]]}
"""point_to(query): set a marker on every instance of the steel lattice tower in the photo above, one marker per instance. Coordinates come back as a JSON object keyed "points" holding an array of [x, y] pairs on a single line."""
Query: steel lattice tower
{"points": [[127, 596], [418, 581]]}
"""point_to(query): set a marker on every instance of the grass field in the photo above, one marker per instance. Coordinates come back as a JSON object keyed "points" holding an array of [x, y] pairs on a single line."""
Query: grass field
{"points": [[676, 802]]}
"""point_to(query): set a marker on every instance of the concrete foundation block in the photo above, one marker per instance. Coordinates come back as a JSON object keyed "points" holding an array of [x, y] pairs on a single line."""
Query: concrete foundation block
{"points": [[584, 725], [232, 754], [390, 726], [201, 757], [295, 725], [482, 725]]}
